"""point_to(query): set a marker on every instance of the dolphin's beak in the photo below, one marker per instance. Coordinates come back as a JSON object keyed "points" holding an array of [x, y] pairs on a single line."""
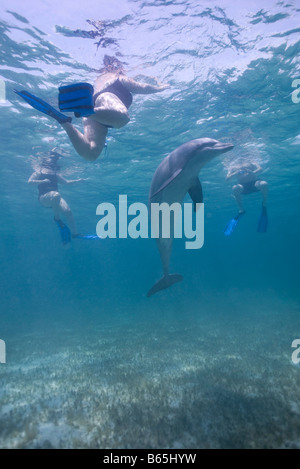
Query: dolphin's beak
{"points": [[223, 147]]}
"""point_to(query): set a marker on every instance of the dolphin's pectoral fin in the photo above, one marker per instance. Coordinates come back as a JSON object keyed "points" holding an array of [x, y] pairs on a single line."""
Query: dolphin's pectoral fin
{"points": [[196, 193], [164, 283], [167, 182]]}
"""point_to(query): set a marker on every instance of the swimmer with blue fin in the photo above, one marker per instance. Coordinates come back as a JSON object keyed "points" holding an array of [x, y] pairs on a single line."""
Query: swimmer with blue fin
{"points": [[102, 106], [47, 178], [248, 183]]}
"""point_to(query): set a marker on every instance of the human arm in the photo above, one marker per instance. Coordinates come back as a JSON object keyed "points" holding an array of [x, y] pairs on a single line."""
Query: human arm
{"points": [[62, 180], [256, 168], [231, 173], [142, 88]]}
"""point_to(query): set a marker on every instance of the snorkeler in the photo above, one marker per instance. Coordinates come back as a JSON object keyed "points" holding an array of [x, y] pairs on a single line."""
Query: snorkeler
{"points": [[102, 107], [47, 179], [248, 183]]}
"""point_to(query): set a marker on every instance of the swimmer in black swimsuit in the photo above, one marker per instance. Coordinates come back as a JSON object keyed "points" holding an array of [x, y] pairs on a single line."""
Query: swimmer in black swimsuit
{"points": [[248, 183], [47, 178], [112, 98]]}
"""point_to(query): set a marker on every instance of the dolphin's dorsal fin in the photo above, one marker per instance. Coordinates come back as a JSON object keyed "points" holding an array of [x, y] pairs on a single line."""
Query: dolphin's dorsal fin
{"points": [[196, 193]]}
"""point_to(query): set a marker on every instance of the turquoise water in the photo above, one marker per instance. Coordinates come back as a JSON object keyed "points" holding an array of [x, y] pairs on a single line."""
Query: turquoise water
{"points": [[91, 362]]}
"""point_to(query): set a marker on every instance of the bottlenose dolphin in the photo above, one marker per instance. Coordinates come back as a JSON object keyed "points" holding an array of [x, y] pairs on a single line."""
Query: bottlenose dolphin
{"points": [[176, 175]]}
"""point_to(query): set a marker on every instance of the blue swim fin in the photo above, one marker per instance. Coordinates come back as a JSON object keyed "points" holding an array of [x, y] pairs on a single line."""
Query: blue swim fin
{"points": [[80, 236], [42, 106], [231, 225], [263, 221], [65, 233], [77, 98]]}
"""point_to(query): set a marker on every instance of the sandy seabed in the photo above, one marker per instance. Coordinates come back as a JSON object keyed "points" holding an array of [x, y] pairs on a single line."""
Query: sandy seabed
{"points": [[216, 382]]}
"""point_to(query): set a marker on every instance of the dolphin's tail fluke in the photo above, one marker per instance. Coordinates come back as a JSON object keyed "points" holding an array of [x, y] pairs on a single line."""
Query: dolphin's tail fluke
{"points": [[164, 283]]}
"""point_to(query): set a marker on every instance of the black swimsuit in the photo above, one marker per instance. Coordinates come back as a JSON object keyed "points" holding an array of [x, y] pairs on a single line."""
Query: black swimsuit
{"points": [[250, 187], [46, 187], [119, 90]]}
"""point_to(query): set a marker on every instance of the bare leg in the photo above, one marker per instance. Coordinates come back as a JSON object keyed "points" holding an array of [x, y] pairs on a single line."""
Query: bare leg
{"points": [[109, 111], [67, 213], [237, 193], [59, 206], [90, 144], [263, 187]]}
